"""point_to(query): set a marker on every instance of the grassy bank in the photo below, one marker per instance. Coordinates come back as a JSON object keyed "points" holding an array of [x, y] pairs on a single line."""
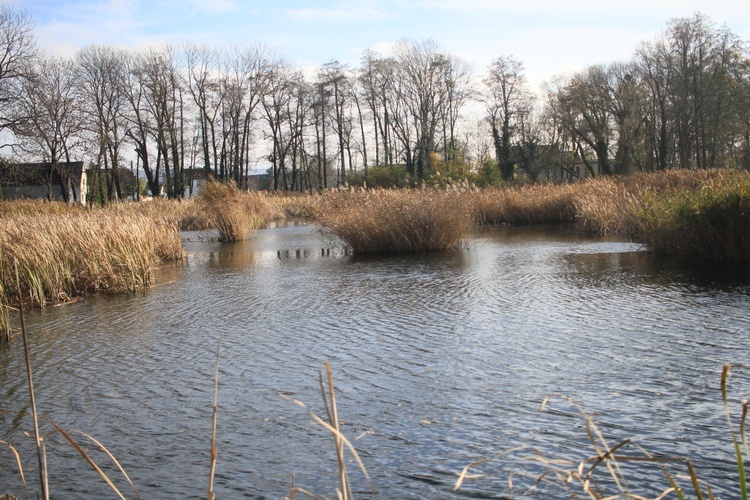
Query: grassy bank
{"points": [[63, 252], [397, 220]]}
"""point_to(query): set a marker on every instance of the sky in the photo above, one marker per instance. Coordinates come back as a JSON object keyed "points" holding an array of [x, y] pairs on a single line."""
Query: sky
{"points": [[550, 37]]}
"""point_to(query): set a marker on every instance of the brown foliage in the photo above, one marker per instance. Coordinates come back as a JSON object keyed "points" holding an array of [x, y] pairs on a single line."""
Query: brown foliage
{"points": [[397, 220]]}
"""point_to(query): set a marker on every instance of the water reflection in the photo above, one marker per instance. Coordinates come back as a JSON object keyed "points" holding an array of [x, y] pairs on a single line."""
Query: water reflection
{"points": [[440, 359]]}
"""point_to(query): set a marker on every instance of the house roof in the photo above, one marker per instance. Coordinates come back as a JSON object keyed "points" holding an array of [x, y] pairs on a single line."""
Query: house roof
{"points": [[24, 174]]}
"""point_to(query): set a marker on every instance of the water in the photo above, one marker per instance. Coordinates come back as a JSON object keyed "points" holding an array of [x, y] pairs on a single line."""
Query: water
{"points": [[439, 360]]}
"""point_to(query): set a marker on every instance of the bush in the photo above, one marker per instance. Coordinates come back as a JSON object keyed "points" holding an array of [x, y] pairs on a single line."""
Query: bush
{"points": [[382, 176]]}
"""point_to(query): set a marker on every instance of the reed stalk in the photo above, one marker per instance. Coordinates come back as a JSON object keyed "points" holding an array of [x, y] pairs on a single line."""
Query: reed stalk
{"points": [[40, 453], [214, 450], [327, 388], [738, 442]]}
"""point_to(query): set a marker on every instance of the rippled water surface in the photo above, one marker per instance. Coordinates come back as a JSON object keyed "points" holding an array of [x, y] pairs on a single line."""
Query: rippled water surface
{"points": [[439, 359]]}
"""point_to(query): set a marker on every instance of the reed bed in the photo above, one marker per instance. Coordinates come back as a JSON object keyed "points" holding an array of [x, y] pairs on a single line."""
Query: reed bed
{"points": [[613, 204], [526, 204], [188, 214], [9, 209], [63, 255], [234, 213], [710, 220], [379, 220], [282, 205]]}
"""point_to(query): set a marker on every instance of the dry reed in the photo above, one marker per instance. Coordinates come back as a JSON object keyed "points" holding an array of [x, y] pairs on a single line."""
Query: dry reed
{"points": [[527, 204], [189, 214], [63, 255], [613, 204], [327, 389], [282, 205], [235, 213], [397, 220], [602, 475]]}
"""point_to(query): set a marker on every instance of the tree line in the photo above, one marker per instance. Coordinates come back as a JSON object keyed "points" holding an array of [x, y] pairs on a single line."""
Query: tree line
{"points": [[417, 115]]}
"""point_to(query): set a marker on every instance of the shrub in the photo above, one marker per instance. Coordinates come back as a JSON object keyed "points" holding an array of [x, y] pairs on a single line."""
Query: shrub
{"points": [[382, 176]]}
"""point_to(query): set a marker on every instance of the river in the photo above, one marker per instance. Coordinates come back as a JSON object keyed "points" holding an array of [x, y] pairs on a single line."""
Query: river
{"points": [[439, 360]]}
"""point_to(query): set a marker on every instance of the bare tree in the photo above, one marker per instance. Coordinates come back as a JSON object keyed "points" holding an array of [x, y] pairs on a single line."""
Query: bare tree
{"points": [[17, 56], [336, 85], [458, 92], [100, 73], [376, 81], [248, 78], [420, 93], [696, 75], [53, 119], [205, 86], [284, 119], [155, 94], [583, 108]]}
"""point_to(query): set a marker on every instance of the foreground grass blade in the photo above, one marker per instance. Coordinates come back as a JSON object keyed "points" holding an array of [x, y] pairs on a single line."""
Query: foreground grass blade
{"points": [[85, 455], [214, 450], [330, 403], [20, 467], [737, 448], [111, 457], [39, 450]]}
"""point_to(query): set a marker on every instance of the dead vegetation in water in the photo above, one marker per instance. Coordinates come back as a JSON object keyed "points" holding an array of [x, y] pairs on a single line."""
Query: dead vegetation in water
{"points": [[380, 220], [68, 253], [615, 470], [235, 213], [526, 204]]}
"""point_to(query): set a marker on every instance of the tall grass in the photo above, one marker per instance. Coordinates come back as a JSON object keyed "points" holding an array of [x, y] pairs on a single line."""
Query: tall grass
{"points": [[397, 220], [703, 213], [187, 214], [711, 220], [527, 204], [63, 255], [235, 213], [612, 204], [284, 205]]}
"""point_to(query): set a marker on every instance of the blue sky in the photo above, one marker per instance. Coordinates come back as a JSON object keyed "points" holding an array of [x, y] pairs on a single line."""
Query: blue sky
{"points": [[550, 37]]}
